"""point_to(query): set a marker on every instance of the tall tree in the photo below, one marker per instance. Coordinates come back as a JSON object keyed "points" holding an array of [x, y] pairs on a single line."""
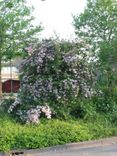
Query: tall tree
{"points": [[97, 25], [16, 30], [98, 22]]}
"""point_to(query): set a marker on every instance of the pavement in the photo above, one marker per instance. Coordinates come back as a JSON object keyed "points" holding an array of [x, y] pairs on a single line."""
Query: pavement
{"points": [[103, 147], [110, 150]]}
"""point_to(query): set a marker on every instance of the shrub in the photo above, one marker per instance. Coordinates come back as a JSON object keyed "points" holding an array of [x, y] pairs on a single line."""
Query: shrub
{"points": [[53, 77], [50, 74], [6, 103], [83, 108]]}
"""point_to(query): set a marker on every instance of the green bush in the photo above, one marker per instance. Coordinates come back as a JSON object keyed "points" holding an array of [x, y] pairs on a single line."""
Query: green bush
{"points": [[105, 104], [7, 103], [83, 108]]}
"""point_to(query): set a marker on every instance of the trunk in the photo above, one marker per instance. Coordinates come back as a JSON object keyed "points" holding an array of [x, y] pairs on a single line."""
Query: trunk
{"points": [[11, 76], [0, 79]]}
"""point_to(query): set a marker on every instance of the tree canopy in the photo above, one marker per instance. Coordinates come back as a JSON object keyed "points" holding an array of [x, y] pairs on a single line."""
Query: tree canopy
{"points": [[16, 29], [98, 22], [97, 26]]}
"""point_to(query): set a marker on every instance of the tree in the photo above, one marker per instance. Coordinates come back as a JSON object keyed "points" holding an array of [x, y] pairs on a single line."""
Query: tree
{"points": [[16, 30], [98, 22], [97, 25]]}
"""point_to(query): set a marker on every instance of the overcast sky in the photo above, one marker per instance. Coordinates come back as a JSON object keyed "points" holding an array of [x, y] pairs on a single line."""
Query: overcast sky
{"points": [[56, 16]]}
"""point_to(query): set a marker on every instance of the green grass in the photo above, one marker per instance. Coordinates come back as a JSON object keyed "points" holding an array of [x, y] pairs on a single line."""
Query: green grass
{"points": [[13, 135]]}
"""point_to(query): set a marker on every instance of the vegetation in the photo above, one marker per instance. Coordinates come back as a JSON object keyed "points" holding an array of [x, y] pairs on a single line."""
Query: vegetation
{"points": [[16, 30], [13, 135], [97, 26], [75, 84], [52, 77]]}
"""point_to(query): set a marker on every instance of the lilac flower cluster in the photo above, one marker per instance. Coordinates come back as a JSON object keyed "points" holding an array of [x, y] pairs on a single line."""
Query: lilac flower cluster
{"points": [[33, 114], [14, 105]]}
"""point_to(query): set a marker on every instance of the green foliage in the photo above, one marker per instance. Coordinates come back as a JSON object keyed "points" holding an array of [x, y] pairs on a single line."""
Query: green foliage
{"points": [[105, 104], [16, 30], [98, 22], [6, 103], [16, 136], [83, 108], [97, 25]]}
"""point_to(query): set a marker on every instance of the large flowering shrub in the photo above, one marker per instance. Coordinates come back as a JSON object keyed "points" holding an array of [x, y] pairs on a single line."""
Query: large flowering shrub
{"points": [[51, 76]]}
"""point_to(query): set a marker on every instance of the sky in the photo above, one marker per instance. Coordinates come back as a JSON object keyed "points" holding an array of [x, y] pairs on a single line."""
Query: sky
{"points": [[56, 16]]}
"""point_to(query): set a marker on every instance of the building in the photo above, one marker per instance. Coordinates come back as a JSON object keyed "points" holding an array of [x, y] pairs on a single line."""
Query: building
{"points": [[10, 85], [10, 79]]}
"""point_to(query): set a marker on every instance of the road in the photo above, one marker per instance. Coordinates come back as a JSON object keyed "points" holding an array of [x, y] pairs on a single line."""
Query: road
{"points": [[103, 147], [107, 150]]}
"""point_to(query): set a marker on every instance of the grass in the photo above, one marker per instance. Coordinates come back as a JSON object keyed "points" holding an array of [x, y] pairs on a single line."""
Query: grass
{"points": [[14, 135]]}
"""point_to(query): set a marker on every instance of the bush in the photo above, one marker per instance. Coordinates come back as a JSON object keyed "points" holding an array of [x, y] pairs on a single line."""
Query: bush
{"points": [[83, 108], [50, 75], [6, 103], [106, 103], [53, 77]]}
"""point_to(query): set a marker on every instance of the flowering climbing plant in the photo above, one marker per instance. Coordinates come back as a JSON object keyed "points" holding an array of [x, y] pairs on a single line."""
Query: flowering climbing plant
{"points": [[50, 75]]}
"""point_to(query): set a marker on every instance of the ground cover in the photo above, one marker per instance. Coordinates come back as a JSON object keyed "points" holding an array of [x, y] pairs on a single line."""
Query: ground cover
{"points": [[14, 135]]}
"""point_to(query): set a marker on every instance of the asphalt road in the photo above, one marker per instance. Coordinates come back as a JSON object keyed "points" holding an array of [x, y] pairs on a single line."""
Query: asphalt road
{"points": [[104, 150]]}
